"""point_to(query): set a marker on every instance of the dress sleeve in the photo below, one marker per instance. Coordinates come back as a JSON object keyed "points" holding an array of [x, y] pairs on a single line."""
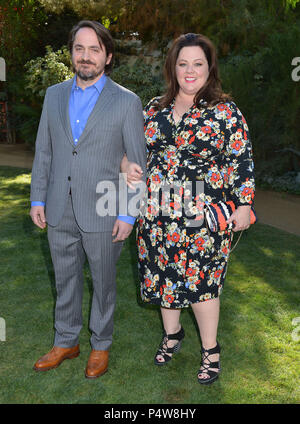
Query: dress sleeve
{"points": [[149, 110], [239, 166]]}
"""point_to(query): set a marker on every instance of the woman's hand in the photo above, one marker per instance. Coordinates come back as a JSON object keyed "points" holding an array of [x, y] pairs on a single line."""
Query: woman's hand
{"points": [[241, 218], [133, 172]]}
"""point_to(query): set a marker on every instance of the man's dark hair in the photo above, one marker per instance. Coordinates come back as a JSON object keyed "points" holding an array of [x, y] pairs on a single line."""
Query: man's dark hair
{"points": [[104, 37]]}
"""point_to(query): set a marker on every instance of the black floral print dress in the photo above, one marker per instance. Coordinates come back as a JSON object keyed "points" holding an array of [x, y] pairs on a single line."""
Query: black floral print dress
{"points": [[180, 262]]}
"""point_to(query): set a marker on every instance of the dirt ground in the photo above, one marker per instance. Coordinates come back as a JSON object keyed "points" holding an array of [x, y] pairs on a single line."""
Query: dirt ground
{"points": [[280, 210], [18, 155]]}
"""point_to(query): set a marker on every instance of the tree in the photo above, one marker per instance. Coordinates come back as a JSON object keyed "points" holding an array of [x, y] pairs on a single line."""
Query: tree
{"points": [[232, 24], [101, 10], [21, 23]]}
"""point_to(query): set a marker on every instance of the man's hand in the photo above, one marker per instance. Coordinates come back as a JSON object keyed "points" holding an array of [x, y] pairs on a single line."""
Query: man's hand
{"points": [[121, 230], [37, 214]]}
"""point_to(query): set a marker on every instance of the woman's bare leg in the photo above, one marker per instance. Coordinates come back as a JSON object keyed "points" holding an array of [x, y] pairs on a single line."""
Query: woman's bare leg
{"points": [[207, 317], [172, 325]]}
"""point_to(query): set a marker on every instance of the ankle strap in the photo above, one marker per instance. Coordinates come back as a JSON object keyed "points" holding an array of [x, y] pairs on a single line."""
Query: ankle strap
{"points": [[176, 336], [216, 349]]}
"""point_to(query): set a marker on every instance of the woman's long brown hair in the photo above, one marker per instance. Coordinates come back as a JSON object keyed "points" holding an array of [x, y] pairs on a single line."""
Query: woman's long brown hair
{"points": [[212, 91]]}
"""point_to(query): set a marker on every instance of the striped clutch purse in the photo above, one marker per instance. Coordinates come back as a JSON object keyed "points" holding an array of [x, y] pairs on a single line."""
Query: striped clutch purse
{"points": [[216, 215]]}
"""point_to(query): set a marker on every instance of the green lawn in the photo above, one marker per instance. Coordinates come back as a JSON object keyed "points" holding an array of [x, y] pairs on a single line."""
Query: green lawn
{"points": [[260, 358]]}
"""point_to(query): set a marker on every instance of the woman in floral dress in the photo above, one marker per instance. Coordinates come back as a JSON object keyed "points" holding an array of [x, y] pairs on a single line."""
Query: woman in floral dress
{"points": [[199, 152]]}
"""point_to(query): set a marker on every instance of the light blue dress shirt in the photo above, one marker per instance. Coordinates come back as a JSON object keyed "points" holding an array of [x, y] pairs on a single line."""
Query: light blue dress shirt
{"points": [[81, 104]]}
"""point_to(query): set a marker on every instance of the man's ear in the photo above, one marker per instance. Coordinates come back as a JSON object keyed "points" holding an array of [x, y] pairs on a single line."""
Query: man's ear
{"points": [[108, 58]]}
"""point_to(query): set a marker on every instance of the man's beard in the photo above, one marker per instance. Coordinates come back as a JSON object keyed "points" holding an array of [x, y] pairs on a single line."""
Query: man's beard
{"points": [[87, 75]]}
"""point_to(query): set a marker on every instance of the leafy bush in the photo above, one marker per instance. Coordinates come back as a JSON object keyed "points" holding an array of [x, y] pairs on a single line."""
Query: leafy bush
{"points": [[140, 79], [40, 73], [51, 69], [289, 182], [262, 87]]}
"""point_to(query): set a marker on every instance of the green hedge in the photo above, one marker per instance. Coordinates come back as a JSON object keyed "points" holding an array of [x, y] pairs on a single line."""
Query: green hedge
{"points": [[264, 90]]}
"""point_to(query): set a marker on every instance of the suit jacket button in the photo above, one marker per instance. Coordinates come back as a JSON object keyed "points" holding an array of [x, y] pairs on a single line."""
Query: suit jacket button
{"points": [[69, 178]]}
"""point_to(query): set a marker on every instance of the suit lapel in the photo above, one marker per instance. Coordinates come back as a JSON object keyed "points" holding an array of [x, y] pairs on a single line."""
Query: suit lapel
{"points": [[103, 101], [64, 109]]}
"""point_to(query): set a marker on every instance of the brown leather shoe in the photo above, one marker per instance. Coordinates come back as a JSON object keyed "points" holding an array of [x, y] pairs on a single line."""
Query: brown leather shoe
{"points": [[97, 364], [55, 357]]}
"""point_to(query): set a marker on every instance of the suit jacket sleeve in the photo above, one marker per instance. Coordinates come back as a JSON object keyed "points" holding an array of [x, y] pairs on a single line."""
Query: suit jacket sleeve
{"points": [[42, 158], [135, 146]]}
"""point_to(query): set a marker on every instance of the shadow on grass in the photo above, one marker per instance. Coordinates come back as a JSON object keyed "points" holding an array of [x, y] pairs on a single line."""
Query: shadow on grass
{"points": [[133, 254], [9, 186], [271, 255]]}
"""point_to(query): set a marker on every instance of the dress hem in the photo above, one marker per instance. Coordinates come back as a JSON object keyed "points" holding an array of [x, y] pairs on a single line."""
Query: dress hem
{"points": [[158, 303]]}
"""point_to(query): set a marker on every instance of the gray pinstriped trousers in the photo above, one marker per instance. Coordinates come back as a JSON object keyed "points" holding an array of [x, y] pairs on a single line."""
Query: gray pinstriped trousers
{"points": [[69, 247]]}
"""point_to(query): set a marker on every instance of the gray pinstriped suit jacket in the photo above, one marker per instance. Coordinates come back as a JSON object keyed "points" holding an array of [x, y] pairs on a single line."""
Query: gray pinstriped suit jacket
{"points": [[114, 127]]}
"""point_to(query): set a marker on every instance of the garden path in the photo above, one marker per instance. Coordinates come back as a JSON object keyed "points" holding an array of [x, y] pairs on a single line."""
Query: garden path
{"points": [[280, 210]]}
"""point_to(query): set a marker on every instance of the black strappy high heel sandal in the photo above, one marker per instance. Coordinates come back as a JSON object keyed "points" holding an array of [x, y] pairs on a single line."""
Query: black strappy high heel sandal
{"points": [[207, 364], [164, 350]]}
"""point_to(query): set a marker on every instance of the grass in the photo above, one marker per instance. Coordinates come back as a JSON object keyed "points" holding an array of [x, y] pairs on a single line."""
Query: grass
{"points": [[260, 358]]}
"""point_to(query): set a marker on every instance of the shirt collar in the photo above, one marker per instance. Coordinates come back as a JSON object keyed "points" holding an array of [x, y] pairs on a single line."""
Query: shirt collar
{"points": [[98, 85]]}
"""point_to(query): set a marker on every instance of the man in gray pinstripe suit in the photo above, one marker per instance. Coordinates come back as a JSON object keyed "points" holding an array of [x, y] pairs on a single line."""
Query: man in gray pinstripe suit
{"points": [[87, 125]]}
